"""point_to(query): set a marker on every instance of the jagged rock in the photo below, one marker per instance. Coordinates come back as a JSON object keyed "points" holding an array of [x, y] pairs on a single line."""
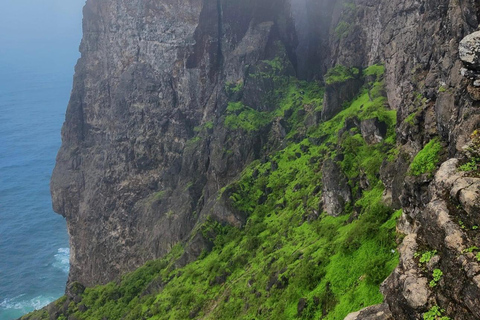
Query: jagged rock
{"points": [[338, 93], [469, 50], [336, 191], [373, 130], [377, 312]]}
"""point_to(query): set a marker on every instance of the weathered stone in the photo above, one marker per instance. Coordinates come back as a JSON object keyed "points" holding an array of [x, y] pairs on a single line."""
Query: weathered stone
{"points": [[336, 191], [469, 50], [373, 130], [377, 312], [338, 93]]}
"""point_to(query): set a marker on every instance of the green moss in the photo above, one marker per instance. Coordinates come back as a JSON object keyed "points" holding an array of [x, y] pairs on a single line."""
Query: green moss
{"points": [[340, 74], [376, 70], [240, 116], [427, 159], [343, 29]]}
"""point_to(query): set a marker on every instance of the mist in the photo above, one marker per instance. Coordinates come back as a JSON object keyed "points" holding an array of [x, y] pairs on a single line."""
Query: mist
{"points": [[30, 25]]}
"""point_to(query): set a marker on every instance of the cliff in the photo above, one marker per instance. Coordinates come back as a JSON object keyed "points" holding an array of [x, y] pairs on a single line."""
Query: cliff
{"points": [[263, 151]]}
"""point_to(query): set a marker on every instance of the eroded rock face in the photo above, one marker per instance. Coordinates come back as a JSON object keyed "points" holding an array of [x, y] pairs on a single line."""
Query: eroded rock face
{"points": [[336, 191], [145, 149], [469, 50]]}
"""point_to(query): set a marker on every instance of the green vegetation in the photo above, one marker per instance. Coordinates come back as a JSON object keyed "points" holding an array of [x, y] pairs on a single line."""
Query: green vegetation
{"points": [[427, 159], [410, 119], [472, 165], [246, 118], [343, 29], [437, 275], [435, 313], [233, 88], [426, 256], [288, 249], [339, 74]]}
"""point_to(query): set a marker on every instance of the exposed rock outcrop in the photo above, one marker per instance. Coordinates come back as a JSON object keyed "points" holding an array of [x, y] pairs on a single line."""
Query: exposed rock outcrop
{"points": [[469, 50], [336, 191], [437, 230]]}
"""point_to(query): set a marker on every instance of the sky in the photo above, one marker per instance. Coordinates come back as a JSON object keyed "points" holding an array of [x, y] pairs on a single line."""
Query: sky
{"points": [[47, 29], [25, 22]]}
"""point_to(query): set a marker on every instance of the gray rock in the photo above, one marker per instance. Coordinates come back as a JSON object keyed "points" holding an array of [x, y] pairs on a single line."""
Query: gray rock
{"points": [[336, 191], [377, 312], [373, 130], [469, 50]]}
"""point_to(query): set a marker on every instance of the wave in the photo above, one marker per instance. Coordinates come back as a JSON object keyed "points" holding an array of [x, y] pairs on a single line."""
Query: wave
{"points": [[25, 305], [62, 260]]}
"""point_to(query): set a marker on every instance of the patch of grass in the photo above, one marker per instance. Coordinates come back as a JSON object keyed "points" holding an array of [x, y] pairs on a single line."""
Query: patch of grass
{"points": [[340, 74], [427, 159], [240, 116]]}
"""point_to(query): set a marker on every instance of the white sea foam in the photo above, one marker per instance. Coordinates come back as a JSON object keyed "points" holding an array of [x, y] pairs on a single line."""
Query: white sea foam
{"points": [[25, 305], [62, 260]]}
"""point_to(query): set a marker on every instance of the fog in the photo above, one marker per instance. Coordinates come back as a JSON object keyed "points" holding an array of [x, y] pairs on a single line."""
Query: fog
{"points": [[36, 32], [24, 22]]}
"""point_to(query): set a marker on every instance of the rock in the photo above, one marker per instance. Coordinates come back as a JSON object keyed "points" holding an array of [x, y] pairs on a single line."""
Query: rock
{"points": [[338, 93], [469, 50], [336, 191], [302, 304], [373, 130], [415, 291], [476, 83], [377, 312]]}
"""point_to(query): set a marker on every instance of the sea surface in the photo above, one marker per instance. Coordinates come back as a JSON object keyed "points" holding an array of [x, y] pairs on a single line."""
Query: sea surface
{"points": [[36, 75]]}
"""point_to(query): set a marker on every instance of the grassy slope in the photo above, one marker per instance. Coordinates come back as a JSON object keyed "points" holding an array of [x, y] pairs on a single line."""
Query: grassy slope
{"points": [[285, 254]]}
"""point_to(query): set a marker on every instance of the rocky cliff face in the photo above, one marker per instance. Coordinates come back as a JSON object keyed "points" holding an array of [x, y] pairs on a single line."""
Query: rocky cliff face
{"points": [[147, 145], [140, 163]]}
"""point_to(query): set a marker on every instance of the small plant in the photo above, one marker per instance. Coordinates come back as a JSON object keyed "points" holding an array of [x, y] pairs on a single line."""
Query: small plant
{"points": [[472, 165], [410, 119], [437, 275], [478, 257], [427, 159], [471, 249], [426, 257], [435, 313]]}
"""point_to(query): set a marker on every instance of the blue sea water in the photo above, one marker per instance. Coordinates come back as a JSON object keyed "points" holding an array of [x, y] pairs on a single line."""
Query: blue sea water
{"points": [[36, 71]]}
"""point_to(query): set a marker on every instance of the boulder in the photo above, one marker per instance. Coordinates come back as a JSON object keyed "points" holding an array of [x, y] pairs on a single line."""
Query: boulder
{"points": [[469, 50]]}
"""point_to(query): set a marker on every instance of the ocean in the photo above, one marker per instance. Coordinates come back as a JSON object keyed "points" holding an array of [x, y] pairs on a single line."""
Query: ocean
{"points": [[35, 82]]}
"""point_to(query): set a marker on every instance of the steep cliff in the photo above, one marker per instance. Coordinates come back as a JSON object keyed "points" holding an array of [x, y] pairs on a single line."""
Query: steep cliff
{"points": [[188, 124], [143, 155]]}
